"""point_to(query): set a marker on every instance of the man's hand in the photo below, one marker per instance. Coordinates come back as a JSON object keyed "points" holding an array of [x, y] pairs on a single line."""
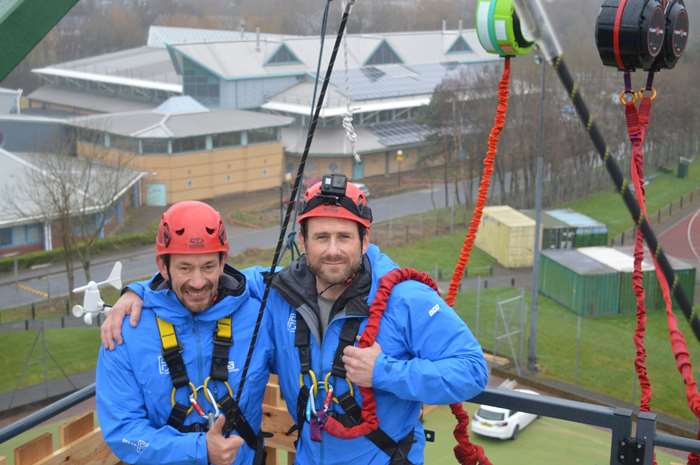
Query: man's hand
{"points": [[111, 329], [359, 363], [221, 450]]}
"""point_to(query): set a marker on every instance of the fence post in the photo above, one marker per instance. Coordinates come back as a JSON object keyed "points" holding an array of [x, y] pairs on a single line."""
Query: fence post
{"points": [[33, 312], [478, 302]]}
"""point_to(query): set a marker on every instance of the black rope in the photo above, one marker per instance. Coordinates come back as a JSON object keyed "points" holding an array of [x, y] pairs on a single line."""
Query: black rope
{"points": [[623, 188], [295, 189]]}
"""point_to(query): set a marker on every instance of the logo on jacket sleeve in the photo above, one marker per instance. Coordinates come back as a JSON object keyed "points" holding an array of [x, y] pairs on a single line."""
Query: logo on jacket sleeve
{"points": [[231, 367], [139, 445], [292, 322], [434, 310]]}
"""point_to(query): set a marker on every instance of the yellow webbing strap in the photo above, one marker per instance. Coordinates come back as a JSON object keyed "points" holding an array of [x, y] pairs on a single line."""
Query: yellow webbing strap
{"points": [[223, 328], [168, 339]]}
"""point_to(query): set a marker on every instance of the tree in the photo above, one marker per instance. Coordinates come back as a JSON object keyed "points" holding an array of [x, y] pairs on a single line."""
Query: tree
{"points": [[74, 195]]}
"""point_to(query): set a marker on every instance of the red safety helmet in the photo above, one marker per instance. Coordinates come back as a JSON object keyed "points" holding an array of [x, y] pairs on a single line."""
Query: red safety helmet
{"points": [[335, 197], [191, 227]]}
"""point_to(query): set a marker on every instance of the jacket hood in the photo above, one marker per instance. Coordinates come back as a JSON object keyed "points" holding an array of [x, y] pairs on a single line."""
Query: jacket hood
{"points": [[381, 265], [232, 294]]}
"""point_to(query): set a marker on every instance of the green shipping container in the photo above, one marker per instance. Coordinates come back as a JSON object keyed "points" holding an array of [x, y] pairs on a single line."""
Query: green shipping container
{"points": [[580, 283], [555, 234], [686, 280], [622, 260], [589, 232]]}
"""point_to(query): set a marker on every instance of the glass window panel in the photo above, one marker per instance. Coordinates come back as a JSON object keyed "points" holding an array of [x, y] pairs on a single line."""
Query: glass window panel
{"points": [[154, 145], [229, 139], [256, 136], [189, 144]]}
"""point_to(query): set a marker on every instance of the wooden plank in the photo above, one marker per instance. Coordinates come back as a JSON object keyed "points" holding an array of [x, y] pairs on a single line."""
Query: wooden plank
{"points": [[271, 457], [291, 457], [277, 421], [87, 450], [272, 395], [77, 428], [33, 451], [3, 460]]}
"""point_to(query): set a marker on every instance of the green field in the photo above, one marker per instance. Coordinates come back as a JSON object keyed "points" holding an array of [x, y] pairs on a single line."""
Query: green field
{"points": [[545, 441], [608, 207], [606, 362], [441, 252]]}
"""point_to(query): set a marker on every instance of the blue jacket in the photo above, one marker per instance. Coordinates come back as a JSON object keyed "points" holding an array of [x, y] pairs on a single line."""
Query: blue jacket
{"points": [[134, 384], [429, 355]]}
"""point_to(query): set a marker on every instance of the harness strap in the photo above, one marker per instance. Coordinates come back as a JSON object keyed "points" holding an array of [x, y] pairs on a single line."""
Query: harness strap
{"points": [[398, 451], [223, 340], [347, 337], [236, 421], [301, 341], [172, 353], [302, 399]]}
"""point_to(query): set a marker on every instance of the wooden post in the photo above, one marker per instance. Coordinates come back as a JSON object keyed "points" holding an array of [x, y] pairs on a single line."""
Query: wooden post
{"points": [[33, 451], [76, 429]]}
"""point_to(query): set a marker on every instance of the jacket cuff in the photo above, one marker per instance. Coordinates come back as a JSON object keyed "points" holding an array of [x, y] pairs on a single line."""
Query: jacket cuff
{"points": [[382, 372]]}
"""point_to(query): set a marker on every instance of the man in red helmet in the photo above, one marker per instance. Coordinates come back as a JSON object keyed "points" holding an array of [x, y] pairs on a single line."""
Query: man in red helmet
{"points": [[165, 396], [319, 305]]}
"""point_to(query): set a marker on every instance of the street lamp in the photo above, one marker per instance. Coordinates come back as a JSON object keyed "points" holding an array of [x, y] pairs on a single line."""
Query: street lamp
{"points": [[399, 158]]}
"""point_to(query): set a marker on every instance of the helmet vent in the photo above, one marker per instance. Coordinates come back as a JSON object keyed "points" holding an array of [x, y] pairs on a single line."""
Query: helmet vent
{"points": [[180, 231]]}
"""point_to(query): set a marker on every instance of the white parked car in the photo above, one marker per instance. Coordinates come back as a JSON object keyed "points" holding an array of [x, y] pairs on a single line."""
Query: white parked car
{"points": [[501, 423]]}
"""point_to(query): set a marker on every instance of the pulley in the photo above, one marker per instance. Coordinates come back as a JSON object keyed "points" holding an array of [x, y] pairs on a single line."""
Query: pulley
{"points": [[499, 29], [675, 37], [632, 34]]}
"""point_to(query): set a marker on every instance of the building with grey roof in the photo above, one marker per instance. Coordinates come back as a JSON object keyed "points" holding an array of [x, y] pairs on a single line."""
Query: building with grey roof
{"points": [[190, 151], [10, 101], [382, 80], [27, 216]]}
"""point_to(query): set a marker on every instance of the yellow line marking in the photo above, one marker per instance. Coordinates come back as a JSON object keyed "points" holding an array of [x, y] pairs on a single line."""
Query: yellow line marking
{"points": [[31, 290]]}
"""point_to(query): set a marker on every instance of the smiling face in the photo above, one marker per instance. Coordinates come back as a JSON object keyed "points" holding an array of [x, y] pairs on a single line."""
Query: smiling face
{"points": [[194, 278], [333, 252]]}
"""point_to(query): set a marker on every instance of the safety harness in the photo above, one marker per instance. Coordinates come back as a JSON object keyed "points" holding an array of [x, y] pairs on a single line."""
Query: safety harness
{"points": [[355, 306], [172, 354]]}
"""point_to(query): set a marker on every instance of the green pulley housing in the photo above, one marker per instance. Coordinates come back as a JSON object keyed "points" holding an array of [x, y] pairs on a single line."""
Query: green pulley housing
{"points": [[499, 29]]}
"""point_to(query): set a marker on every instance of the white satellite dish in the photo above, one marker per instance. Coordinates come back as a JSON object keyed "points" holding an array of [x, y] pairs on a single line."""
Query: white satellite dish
{"points": [[92, 301]]}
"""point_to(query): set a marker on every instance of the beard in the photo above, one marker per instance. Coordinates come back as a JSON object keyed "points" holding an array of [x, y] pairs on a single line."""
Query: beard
{"points": [[333, 270], [197, 300]]}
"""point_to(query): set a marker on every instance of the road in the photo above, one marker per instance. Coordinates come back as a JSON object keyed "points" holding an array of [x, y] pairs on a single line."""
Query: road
{"points": [[37, 285]]}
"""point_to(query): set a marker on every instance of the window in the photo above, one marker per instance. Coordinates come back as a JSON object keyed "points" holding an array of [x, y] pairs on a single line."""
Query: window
{"points": [[91, 136], [229, 139], [189, 144], [256, 136], [154, 146], [200, 83], [5, 237], [127, 144], [34, 233], [383, 55], [489, 415], [283, 56], [459, 46]]}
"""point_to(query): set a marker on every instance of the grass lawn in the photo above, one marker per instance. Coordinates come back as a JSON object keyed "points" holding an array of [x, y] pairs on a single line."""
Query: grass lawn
{"points": [[546, 441], [441, 251], [608, 207], [606, 354], [75, 350]]}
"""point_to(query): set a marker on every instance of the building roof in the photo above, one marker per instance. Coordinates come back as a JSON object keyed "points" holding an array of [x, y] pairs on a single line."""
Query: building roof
{"points": [[252, 56], [19, 208], [575, 219], [578, 262], [614, 258], [179, 117], [507, 215], [144, 67], [330, 142], [548, 221], [87, 101], [161, 36]]}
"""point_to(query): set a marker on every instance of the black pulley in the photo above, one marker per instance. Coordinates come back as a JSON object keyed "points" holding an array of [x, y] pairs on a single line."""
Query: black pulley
{"points": [[675, 37], [630, 33]]}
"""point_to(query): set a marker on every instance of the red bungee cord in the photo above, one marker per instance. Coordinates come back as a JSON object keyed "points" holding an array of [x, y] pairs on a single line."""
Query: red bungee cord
{"points": [[637, 122]]}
